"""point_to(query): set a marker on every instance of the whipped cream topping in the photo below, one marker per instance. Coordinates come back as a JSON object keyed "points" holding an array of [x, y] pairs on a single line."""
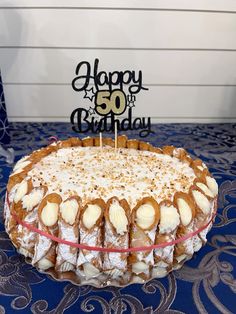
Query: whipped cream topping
{"points": [[21, 191], [94, 173], [140, 267], [145, 216], [205, 189], [16, 172], [21, 164], [69, 210], [91, 215], [169, 219], [90, 271], [185, 211], [202, 202], [29, 201], [49, 214], [118, 217], [45, 264], [212, 184]]}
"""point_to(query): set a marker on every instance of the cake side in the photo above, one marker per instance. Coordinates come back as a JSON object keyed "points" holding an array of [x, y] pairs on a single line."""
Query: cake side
{"points": [[136, 196]]}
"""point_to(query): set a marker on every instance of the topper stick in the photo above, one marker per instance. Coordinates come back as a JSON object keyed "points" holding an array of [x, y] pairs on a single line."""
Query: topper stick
{"points": [[115, 136], [100, 140]]}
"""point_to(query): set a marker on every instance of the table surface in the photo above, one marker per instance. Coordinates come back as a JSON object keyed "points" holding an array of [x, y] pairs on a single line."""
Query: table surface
{"points": [[206, 284]]}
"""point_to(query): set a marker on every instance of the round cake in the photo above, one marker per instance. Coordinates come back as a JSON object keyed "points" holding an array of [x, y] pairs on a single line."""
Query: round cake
{"points": [[127, 198]]}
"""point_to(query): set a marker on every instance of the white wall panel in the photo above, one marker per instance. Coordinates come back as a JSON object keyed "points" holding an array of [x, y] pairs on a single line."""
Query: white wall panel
{"points": [[159, 67], [159, 101], [114, 29], [216, 5], [186, 50]]}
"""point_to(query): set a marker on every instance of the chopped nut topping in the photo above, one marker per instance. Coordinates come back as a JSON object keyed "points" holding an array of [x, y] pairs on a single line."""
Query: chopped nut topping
{"points": [[93, 173]]}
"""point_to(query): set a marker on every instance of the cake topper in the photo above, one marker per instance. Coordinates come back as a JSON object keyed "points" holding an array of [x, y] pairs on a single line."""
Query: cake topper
{"points": [[112, 94]]}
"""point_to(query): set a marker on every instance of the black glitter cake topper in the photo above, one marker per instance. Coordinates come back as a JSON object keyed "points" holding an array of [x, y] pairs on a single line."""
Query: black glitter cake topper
{"points": [[112, 94]]}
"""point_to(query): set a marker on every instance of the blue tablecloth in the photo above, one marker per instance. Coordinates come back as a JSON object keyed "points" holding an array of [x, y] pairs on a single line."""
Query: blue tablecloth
{"points": [[206, 284]]}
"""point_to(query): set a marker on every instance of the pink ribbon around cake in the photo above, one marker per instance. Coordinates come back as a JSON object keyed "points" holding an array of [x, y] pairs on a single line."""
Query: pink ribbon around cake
{"points": [[108, 250]]}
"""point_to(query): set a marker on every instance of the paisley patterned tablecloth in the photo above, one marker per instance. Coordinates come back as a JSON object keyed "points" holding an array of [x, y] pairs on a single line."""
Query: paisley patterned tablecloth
{"points": [[206, 284]]}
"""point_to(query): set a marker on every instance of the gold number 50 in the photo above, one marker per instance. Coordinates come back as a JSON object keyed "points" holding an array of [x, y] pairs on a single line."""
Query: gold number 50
{"points": [[106, 102]]}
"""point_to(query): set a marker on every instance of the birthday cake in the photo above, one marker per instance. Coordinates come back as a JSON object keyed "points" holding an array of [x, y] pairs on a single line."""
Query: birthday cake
{"points": [[127, 198]]}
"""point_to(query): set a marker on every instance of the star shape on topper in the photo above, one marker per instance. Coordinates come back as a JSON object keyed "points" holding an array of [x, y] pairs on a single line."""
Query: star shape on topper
{"points": [[130, 101], [89, 93], [130, 105], [91, 111]]}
